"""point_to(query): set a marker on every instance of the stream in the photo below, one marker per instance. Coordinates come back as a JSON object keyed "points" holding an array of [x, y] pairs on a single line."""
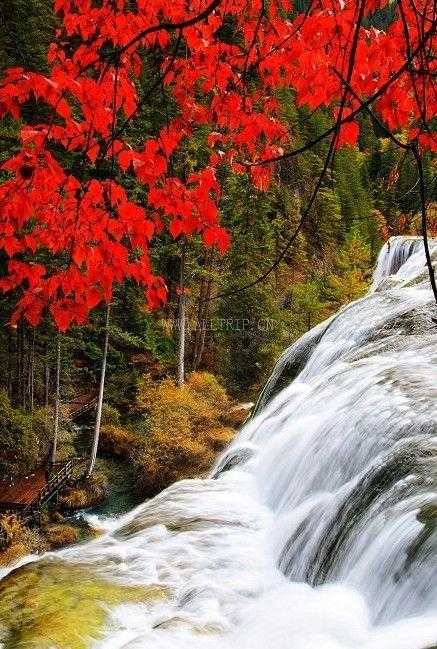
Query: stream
{"points": [[317, 528]]}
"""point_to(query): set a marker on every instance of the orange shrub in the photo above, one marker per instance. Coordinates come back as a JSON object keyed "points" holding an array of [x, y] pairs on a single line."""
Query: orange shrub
{"points": [[20, 540], [185, 429], [116, 441], [60, 535]]}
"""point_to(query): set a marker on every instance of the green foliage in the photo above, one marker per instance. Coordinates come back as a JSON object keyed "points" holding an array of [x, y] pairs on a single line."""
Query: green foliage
{"points": [[24, 439], [110, 415], [26, 28], [354, 198], [248, 336], [307, 306], [392, 182], [350, 279]]}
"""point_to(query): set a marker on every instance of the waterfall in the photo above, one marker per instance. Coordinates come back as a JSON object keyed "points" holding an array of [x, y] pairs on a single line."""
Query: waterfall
{"points": [[394, 253], [317, 528]]}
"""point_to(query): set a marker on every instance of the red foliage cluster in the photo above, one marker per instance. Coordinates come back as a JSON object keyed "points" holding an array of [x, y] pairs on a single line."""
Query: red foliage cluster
{"points": [[223, 62]]}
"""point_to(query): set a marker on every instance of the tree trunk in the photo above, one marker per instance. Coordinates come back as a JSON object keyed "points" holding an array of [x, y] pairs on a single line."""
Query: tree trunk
{"points": [[32, 374], [46, 377], [19, 391], [203, 312], [204, 323], [10, 355], [200, 315], [100, 397], [181, 323], [23, 366], [57, 401]]}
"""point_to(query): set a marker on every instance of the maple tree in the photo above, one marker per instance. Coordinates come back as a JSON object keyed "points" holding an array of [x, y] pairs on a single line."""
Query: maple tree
{"points": [[71, 232]]}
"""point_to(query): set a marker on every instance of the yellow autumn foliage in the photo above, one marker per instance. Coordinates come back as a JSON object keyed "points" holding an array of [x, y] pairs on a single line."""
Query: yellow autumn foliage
{"points": [[116, 441], [186, 429], [61, 534], [85, 493], [20, 540]]}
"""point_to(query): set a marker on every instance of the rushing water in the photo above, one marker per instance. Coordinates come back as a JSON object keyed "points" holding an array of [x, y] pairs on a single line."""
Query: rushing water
{"points": [[394, 253], [317, 528]]}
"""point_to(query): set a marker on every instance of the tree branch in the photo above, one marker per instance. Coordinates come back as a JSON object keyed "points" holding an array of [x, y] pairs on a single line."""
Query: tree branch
{"points": [[353, 114], [171, 26]]}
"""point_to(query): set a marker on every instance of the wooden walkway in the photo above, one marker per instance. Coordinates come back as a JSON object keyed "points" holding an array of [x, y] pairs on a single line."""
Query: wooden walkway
{"points": [[82, 404], [19, 494], [28, 495]]}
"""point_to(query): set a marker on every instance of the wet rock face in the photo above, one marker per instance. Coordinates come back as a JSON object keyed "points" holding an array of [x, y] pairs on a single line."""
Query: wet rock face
{"points": [[386, 283], [235, 457], [290, 364]]}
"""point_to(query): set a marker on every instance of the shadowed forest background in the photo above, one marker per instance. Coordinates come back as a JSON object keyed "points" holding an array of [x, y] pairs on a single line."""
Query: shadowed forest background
{"points": [[231, 341]]}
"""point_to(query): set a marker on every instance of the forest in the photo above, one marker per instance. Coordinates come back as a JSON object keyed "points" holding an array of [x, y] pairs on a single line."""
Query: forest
{"points": [[159, 248]]}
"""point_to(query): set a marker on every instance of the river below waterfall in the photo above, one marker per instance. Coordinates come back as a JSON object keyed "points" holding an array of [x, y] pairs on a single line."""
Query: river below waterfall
{"points": [[317, 528]]}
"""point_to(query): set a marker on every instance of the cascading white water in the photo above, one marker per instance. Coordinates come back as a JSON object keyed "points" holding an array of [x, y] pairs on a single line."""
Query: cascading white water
{"points": [[318, 526], [394, 253]]}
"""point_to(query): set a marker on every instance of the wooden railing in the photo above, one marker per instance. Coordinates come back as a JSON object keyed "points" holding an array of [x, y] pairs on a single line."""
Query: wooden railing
{"points": [[52, 486], [83, 408]]}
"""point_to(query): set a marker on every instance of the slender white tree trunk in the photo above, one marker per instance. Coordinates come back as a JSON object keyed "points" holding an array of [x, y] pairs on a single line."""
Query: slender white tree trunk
{"points": [[100, 397], [181, 323], [181, 342], [32, 374], [57, 400]]}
